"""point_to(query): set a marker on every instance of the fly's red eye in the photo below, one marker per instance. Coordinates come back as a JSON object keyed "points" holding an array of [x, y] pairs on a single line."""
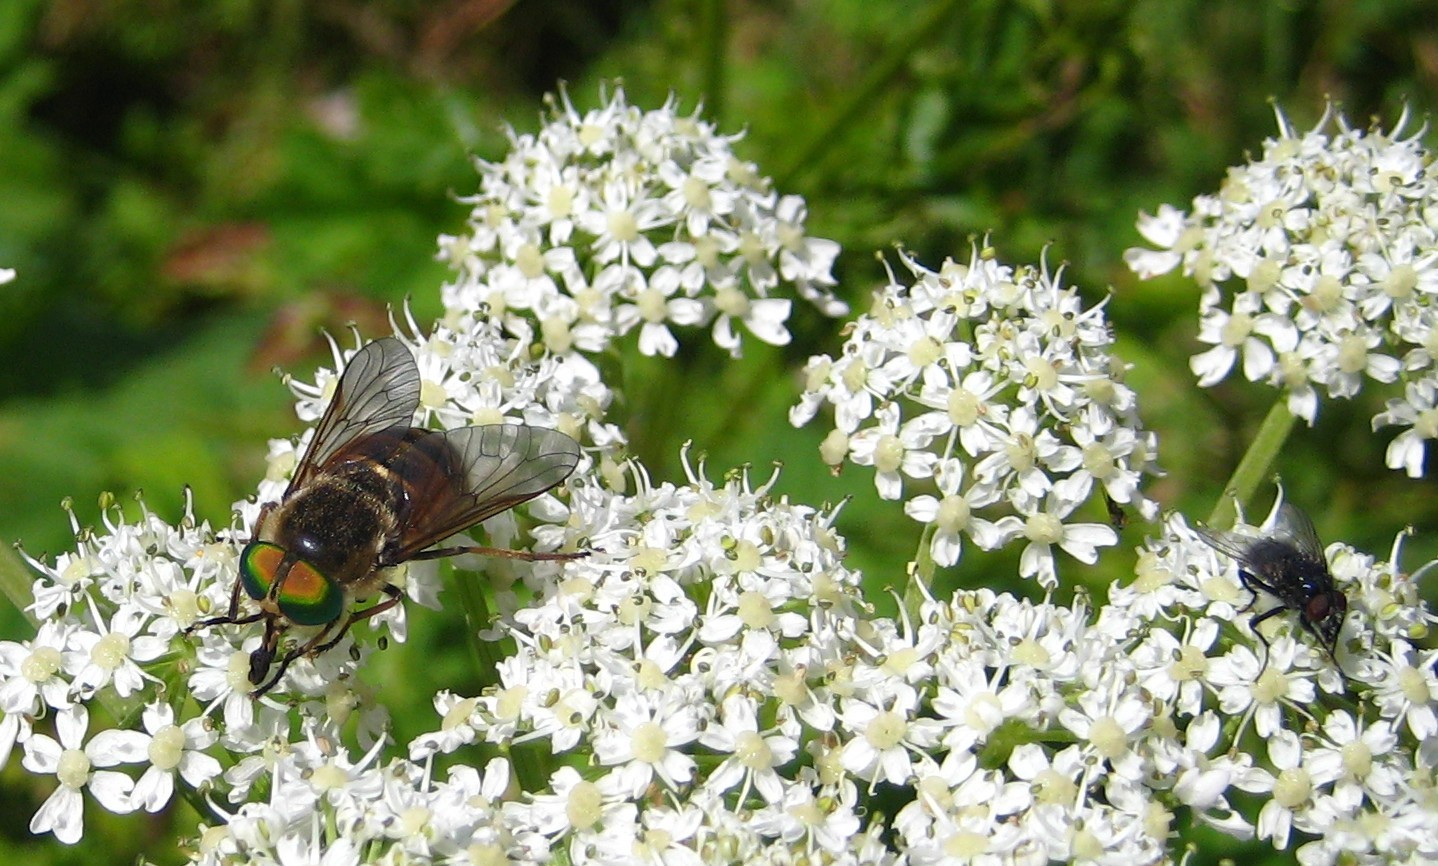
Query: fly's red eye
{"points": [[308, 597], [259, 563], [1317, 608]]}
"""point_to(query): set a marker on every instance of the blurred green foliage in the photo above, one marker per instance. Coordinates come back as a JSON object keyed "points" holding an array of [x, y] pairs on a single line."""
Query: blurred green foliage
{"points": [[191, 191]]}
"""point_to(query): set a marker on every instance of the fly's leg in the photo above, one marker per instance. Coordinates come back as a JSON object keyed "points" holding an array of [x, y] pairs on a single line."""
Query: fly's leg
{"points": [[315, 647], [500, 552]]}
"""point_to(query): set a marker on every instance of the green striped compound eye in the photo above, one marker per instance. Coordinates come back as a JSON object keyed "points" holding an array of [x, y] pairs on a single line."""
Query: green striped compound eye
{"points": [[305, 596]]}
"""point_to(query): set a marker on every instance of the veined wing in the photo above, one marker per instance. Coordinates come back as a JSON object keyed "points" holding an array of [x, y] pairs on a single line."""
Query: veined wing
{"points": [[1231, 543], [378, 391], [1294, 526], [500, 466]]}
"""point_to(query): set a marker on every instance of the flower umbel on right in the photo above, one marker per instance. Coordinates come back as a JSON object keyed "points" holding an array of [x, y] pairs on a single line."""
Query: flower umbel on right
{"points": [[1319, 268]]}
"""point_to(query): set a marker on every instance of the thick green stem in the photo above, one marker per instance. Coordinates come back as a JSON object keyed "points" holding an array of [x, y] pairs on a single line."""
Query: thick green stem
{"points": [[714, 37], [1256, 465]]}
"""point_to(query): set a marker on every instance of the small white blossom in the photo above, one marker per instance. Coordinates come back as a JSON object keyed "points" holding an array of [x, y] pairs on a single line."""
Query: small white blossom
{"points": [[172, 749], [74, 762]]}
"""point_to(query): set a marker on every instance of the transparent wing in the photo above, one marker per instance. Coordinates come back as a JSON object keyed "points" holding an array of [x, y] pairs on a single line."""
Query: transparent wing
{"points": [[1231, 543], [501, 466], [378, 390], [1294, 526]]}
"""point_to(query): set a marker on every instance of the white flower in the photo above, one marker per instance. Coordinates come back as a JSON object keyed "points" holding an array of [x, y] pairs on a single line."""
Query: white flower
{"points": [[824, 822], [1110, 720], [173, 748], [96, 659], [891, 449], [1418, 411], [1044, 528], [764, 318], [752, 756], [575, 805], [1164, 230], [618, 218], [33, 670], [652, 306], [1408, 689], [641, 737], [954, 513], [73, 761], [1294, 791], [880, 740]]}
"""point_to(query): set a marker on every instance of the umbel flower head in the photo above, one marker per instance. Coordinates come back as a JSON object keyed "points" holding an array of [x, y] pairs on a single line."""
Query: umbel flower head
{"points": [[618, 218], [1319, 268], [997, 383]]}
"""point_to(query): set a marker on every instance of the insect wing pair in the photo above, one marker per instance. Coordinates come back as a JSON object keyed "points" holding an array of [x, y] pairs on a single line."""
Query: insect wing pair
{"points": [[1289, 564], [373, 492]]}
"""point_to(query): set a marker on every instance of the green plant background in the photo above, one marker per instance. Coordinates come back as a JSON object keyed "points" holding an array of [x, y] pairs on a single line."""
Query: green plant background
{"points": [[192, 191]]}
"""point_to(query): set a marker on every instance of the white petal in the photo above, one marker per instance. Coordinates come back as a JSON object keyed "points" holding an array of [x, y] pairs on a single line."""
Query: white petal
{"points": [[766, 321], [1201, 789], [196, 768], [10, 733], [923, 508], [725, 337], [109, 748], [655, 339], [112, 789], [685, 311], [946, 548], [42, 755], [1211, 366], [153, 790], [62, 814], [157, 716], [71, 725]]}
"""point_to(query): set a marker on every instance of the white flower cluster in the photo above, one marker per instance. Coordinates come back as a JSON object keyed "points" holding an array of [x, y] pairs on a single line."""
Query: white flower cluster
{"points": [[714, 670], [617, 219], [1319, 268], [996, 383], [110, 613], [115, 610], [1350, 766]]}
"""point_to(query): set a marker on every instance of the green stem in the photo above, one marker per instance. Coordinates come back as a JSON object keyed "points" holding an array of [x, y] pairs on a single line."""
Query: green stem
{"points": [[531, 767], [714, 37], [862, 98], [16, 581], [921, 572], [475, 606], [1256, 465]]}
